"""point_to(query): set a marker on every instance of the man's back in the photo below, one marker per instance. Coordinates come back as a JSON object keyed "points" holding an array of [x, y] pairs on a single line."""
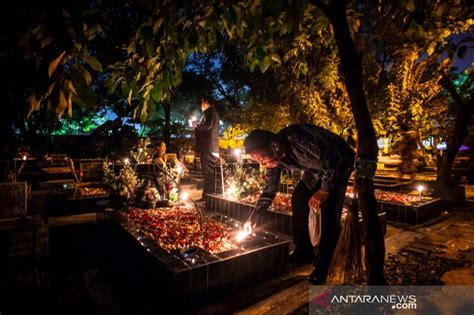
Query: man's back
{"points": [[207, 132]]}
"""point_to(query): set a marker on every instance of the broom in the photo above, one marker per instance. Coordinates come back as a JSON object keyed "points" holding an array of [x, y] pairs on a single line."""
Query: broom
{"points": [[346, 263]]}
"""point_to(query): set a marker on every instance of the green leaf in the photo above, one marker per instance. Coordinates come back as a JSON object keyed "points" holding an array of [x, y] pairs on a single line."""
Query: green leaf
{"points": [[62, 104], [252, 64], [88, 98], [69, 105], [70, 86], [157, 93], [265, 64], [276, 58], [125, 88], [92, 62], [149, 48], [80, 74], [34, 104], [440, 10], [157, 25], [171, 32], [151, 108], [113, 87], [54, 64], [410, 5], [144, 113]]}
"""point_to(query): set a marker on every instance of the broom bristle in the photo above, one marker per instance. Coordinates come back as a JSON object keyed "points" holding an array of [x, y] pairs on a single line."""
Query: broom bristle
{"points": [[346, 264]]}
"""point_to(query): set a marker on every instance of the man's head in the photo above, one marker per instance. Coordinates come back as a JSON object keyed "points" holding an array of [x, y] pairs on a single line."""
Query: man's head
{"points": [[205, 104], [263, 147]]}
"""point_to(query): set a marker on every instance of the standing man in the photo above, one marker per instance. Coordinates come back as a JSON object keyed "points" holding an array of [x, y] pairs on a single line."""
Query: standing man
{"points": [[207, 145], [327, 162]]}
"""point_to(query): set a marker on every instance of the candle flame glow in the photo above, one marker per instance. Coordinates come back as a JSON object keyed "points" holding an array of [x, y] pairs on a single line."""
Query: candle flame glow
{"points": [[241, 235], [179, 169], [184, 196]]}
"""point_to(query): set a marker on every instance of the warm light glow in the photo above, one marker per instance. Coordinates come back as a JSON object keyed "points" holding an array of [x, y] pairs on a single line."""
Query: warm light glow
{"points": [[184, 196], [192, 121], [237, 152], [126, 161], [420, 188], [231, 192], [241, 235], [179, 169], [24, 158], [350, 195]]}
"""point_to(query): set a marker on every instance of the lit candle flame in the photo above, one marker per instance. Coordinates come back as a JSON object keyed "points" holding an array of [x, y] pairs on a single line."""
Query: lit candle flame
{"points": [[241, 235], [126, 161], [24, 157], [179, 169], [184, 196], [237, 152], [420, 188]]}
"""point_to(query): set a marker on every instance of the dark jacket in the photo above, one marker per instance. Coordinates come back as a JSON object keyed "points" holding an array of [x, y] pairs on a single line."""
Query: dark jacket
{"points": [[312, 149], [207, 131]]}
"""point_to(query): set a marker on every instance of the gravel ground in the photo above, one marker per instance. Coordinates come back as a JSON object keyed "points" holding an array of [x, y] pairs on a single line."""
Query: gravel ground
{"points": [[410, 268]]}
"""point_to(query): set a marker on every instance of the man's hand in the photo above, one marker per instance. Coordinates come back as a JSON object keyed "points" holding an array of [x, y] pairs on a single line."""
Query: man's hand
{"points": [[318, 198], [248, 227]]}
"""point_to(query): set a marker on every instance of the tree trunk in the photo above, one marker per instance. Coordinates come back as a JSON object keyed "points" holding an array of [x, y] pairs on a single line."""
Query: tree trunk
{"points": [[459, 132], [351, 66], [166, 132]]}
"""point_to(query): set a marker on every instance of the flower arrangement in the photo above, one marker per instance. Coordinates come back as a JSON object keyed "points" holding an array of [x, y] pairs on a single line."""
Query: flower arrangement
{"points": [[168, 181], [151, 195], [122, 186], [242, 181], [140, 154]]}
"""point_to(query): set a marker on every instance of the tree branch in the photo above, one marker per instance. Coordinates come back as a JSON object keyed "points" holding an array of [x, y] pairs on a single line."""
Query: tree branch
{"points": [[448, 85]]}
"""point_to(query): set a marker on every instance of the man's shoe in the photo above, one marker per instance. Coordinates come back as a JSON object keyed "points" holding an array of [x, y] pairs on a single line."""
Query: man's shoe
{"points": [[316, 277], [301, 256]]}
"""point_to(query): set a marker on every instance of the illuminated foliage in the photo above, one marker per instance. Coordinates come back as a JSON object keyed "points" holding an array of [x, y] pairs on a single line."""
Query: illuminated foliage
{"points": [[412, 100]]}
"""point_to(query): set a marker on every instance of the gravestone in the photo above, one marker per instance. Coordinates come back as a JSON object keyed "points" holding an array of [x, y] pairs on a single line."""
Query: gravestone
{"points": [[12, 200]]}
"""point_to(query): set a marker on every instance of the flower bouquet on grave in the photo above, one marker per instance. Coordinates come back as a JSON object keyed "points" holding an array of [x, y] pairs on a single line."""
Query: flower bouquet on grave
{"points": [[122, 186]]}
